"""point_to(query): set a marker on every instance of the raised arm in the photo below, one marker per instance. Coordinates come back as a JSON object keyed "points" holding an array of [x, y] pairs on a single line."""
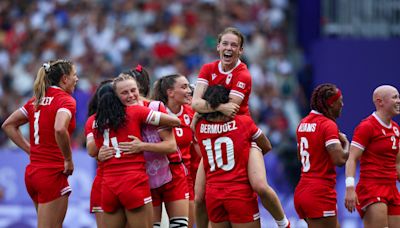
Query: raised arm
{"points": [[198, 103], [201, 106], [11, 129]]}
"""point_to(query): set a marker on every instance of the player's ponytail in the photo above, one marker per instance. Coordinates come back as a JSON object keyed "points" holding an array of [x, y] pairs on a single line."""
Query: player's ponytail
{"points": [[162, 85], [41, 83], [49, 74]]}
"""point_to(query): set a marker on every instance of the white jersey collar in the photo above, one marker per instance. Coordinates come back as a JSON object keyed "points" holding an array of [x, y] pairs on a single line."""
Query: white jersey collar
{"points": [[228, 72]]}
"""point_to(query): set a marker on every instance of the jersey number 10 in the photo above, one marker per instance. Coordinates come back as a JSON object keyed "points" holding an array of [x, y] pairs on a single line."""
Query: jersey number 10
{"points": [[230, 155]]}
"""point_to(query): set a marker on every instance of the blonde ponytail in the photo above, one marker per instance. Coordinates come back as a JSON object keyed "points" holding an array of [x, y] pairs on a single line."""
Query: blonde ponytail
{"points": [[40, 85]]}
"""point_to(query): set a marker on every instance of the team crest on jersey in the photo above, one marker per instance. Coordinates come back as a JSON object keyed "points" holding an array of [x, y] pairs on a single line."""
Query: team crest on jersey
{"points": [[228, 79], [396, 131], [186, 118], [241, 85], [213, 76]]}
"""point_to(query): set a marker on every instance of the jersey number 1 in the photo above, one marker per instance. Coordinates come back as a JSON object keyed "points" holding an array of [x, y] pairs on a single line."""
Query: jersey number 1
{"points": [[36, 115]]}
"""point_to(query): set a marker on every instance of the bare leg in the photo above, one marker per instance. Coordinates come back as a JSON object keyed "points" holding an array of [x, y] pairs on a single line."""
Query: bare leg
{"points": [[394, 221], [178, 211], [327, 222], [254, 224], [36, 206], [376, 216], [157, 211], [221, 225], [52, 214], [191, 213], [200, 206], [115, 219], [258, 181], [99, 219], [141, 216]]}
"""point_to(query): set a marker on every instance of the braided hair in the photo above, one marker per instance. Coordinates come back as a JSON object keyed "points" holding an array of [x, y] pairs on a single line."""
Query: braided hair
{"points": [[319, 99]]}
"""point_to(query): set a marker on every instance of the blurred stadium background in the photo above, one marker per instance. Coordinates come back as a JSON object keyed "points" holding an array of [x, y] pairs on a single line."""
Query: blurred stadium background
{"points": [[290, 47]]}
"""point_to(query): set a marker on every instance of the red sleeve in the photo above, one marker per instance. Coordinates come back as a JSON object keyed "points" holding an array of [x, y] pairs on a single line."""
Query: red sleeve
{"points": [[204, 74], [362, 134], [143, 113], [241, 85], [330, 133], [89, 125], [27, 107], [254, 131], [69, 103]]}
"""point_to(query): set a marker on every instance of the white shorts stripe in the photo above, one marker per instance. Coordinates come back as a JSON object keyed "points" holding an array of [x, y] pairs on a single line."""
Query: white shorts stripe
{"points": [[97, 209], [329, 213], [256, 216], [66, 190], [147, 200]]}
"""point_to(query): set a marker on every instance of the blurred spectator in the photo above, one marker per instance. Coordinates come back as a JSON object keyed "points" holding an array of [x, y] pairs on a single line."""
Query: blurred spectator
{"points": [[104, 38]]}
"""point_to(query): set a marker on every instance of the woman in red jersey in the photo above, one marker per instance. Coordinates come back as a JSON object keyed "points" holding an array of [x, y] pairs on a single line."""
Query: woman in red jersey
{"points": [[233, 74], [125, 188], [173, 90], [320, 149], [225, 144], [95, 194], [51, 117], [376, 144], [130, 94]]}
